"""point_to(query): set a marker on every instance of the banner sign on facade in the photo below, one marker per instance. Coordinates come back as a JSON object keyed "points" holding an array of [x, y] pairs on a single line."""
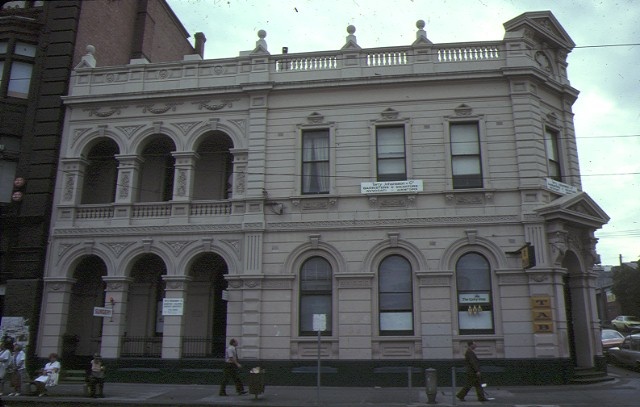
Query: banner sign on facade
{"points": [[172, 306], [391, 186]]}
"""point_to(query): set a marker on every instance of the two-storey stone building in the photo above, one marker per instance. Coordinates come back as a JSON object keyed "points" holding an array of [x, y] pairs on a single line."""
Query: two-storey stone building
{"points": [[402, 200]]}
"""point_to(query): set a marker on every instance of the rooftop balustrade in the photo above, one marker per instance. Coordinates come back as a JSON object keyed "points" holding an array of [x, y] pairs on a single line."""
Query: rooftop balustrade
{"points": [[260, 67]]}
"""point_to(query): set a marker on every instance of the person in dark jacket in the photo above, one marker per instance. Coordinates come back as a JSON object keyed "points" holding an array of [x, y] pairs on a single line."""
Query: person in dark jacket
{"points": [[472, 364]]}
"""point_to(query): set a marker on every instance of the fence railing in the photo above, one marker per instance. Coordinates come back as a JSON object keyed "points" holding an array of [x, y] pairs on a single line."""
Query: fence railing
{"points": [[203, 347], [141, 346]]}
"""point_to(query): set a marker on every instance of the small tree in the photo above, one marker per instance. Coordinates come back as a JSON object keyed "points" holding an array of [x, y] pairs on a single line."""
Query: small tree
{"points": [[626, 288]]}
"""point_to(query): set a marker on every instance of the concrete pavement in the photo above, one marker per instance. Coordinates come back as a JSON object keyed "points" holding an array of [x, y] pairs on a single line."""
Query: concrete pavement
{"points": [[623, 391]]}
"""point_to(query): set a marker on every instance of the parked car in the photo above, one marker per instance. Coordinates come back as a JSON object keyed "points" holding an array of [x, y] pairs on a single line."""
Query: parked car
{"points": [[628, 353], [625, 322], [611, 338]]}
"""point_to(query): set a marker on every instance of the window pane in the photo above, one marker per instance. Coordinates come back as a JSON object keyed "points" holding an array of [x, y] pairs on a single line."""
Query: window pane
{"points": [[27, 50], [314, 304], [315, 275], [464, 139], [19, 80], [465, 165], [480, 320], [472, 273], [396, 321], [3, 47], [390, 142], [395, 275], [395, 166], [390, 302], [7, 175]]}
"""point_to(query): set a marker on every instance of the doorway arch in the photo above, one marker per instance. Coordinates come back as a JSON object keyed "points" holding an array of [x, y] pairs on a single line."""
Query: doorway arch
{"points": [[84, 331], [206, 309]]}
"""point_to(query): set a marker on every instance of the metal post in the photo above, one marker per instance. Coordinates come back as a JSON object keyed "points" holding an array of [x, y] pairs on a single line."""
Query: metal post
{"points": [[318, 388], [453, 385]]}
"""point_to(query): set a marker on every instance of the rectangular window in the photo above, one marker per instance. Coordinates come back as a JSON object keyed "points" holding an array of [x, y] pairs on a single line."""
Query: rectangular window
{"points": [[390, 149], [20, 80], [553, 157], [465, 155], [315, 162]]}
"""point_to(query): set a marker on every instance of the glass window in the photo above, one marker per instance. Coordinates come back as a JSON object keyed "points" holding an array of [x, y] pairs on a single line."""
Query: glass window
{"points": [[315, 294], [391, 153], [465, 155], [553, 157], [24, 49], [315, 162], [20, 80], [475, 305], [395, 297]]}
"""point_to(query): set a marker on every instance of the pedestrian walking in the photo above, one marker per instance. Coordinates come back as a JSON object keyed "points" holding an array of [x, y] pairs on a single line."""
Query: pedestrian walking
{"points": [[473, 374], [232, 369]]}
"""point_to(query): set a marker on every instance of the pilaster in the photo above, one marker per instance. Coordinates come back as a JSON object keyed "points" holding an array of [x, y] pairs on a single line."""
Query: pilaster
{"points": [[113, 328]]}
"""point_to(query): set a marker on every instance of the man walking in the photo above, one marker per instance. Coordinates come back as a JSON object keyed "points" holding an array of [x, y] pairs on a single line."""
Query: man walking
{"points": [[231, 369], [473, 374]]}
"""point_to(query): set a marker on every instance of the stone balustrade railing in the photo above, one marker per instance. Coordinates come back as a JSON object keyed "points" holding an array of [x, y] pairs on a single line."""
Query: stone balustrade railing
{"points": [[192, 74]]}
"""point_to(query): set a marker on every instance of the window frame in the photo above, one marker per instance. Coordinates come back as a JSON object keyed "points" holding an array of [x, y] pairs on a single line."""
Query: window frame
{"points": [[379, 160], [328, 293], [468, 307], [387, 310], [8, 59], [479, 156], [552, 147], [297, 178]]}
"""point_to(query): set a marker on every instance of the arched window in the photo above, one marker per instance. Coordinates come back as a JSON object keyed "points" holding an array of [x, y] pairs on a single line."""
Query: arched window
{"points": [[315, 294], [475, 304], [395, 296]]}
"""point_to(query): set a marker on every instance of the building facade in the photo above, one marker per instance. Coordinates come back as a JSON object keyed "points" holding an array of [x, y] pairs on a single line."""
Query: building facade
{"points": [[400, 201], [40, 44]]}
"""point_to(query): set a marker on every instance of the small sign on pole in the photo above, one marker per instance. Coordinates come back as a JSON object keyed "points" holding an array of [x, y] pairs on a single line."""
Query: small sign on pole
{"points": [[103, 312]]}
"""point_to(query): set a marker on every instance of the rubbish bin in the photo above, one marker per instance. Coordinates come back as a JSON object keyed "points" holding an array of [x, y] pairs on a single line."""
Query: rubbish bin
{"points": [[256, 381]]}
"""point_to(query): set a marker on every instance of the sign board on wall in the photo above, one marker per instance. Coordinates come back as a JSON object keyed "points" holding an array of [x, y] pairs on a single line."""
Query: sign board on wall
{"points": [[560, 187], [541, 314], [172, 306], [391, 186]]}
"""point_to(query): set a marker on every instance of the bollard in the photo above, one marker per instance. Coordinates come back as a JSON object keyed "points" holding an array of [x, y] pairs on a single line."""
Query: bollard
{"points": [[431, 381]]}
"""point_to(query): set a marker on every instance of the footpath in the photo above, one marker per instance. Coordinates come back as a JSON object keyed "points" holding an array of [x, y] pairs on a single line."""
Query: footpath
{"points": [[620, 392]]}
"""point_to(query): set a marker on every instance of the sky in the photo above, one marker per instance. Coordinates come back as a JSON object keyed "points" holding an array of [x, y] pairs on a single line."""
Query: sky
{"points": [[604, 67]]}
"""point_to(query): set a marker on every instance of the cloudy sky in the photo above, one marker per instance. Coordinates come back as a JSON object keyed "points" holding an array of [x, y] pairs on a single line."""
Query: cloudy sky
{"points": [[604, 67]]}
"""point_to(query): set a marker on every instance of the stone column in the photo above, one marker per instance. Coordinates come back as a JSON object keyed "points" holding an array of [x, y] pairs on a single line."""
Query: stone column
{"points": [[184, 175], [176, 289], [53, 323], [113, 328], [73, 169], [128, 178], [239, 174]]}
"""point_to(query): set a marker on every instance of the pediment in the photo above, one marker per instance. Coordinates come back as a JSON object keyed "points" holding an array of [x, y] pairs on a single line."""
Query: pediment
{"points": [[351, 46], [544, 24], [578, 209]]}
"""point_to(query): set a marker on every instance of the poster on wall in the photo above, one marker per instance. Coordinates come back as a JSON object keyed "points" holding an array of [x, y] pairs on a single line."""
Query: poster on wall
{"points": [[16, 328]]}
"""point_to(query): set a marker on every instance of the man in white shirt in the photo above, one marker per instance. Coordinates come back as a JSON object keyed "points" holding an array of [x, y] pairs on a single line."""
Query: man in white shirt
{"points": [[231, 369]]}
